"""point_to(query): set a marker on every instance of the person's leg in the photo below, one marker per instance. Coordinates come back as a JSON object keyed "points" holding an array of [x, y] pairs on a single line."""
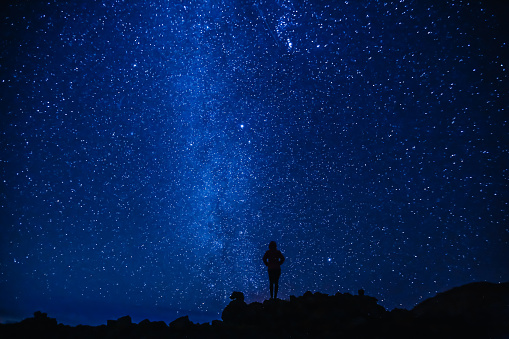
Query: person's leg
{"points": [[271, 282], [277, 274]]}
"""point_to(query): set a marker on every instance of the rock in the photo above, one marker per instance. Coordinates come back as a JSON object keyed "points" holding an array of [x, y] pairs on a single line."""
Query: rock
{"points": [[237, 296], [181, 323], [480, 299], [234, 311], [475, 310], [120, 323]]}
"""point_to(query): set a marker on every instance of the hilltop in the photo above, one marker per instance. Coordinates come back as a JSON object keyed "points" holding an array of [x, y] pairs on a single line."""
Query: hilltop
{"points": [[474, 310]]}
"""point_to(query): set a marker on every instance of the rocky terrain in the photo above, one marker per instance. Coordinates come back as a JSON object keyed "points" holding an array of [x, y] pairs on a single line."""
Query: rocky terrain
{"points": [[477, 310]]}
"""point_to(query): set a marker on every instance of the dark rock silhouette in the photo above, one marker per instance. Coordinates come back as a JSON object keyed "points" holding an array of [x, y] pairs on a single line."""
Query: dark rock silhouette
{"points": [[477, 310], [181, 323], [120, 323], [236, 309], [476, 300]]}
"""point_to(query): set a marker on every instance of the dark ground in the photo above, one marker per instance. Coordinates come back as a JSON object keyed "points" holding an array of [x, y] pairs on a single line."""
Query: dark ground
{"points": [[476, 310]]}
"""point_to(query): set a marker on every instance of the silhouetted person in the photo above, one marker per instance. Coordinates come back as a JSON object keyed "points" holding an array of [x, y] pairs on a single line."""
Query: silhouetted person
{"points": [[273, 259]]}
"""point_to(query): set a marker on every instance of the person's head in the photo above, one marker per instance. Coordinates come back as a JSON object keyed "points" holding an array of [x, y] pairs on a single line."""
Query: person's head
{"points": [[272, 245]]}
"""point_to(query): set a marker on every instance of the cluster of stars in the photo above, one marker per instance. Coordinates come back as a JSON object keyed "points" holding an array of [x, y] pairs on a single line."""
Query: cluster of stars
{"points": [[152, 150]]}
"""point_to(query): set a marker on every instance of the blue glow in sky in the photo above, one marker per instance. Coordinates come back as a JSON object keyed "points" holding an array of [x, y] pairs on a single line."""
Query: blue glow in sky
{"points": [[151, 150]]}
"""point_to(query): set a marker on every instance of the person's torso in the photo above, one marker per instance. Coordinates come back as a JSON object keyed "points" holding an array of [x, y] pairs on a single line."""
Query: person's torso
{"points": [[273, 259]]}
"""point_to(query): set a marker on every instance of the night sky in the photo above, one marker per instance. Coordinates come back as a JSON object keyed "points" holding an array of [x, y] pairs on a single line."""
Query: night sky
{"points": [[152, 149]]}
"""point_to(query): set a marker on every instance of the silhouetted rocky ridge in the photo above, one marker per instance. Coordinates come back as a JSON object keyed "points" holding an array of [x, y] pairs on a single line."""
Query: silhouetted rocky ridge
{"points": [[477, 310]]}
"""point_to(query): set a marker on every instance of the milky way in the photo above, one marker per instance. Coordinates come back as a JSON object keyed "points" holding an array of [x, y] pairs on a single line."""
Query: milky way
{"points": [[152, 150]]}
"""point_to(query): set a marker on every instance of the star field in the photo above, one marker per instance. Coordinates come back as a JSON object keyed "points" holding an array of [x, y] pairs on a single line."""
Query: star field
{"points": [[151, 150]]}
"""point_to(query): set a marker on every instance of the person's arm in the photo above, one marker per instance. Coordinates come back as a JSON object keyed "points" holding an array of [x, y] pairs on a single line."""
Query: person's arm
{"points": [[282, 258], [265, 259]]}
